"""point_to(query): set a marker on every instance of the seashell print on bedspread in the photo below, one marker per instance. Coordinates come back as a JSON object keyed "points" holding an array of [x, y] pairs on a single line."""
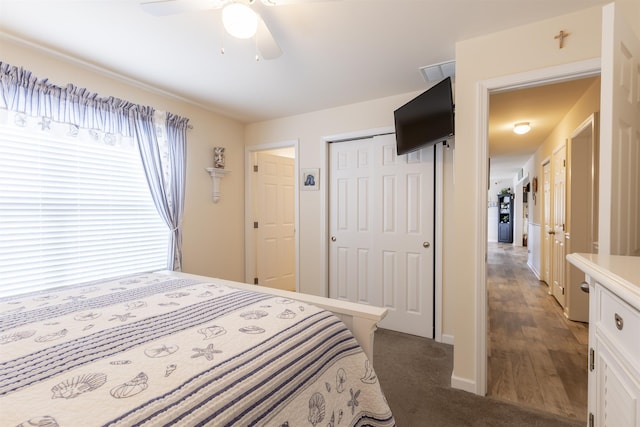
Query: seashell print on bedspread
{"points": [[217, 356], [16, 336], [137, 385], [92, 303], [74, 387]]}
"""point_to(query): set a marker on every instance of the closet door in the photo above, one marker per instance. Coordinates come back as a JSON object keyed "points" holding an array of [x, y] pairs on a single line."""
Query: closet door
{"points": [[381, 225]]}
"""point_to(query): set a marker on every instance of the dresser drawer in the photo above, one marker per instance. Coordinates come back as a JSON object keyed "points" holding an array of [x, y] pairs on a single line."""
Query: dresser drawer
{"points": [[620, 322]]}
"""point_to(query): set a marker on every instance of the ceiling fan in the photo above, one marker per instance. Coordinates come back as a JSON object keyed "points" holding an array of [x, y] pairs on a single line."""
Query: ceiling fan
{"points": [[241, 18]]}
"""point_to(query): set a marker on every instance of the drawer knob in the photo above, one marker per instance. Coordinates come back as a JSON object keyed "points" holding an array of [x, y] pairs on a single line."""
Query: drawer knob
{"points": [[619, 321], [584, 287]]}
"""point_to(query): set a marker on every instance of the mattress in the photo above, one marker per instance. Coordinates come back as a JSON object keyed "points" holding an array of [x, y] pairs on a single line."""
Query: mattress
{"points": [[157, 350]]}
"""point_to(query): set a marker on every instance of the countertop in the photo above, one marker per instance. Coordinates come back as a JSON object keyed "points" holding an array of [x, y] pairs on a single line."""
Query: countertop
{"points": [[619, 273]]}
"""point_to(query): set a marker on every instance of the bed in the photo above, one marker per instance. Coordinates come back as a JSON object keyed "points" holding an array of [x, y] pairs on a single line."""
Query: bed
{"points": [[168, 348]]}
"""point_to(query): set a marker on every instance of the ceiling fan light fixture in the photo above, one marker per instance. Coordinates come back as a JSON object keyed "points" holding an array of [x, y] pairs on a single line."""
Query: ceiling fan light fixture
{"points": [[239, 20], [521, 128]]}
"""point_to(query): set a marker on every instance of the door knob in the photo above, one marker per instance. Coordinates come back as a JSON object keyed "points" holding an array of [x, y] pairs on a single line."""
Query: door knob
{"points": [[551, 232], [426, 244], [333, 238]]}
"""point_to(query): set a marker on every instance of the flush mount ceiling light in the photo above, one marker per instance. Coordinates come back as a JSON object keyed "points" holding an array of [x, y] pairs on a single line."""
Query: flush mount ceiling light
{"points": [[239, 20], [521, 128]]}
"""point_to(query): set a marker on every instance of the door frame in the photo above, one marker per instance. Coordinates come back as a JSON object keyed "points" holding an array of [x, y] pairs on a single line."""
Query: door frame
{"points": [[558, 276], [544, 76], [438, 217], [545, 250], [249, 240]]}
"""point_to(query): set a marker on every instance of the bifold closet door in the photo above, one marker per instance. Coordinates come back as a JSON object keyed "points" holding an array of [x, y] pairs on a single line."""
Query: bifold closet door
{"points": [[381, 222]]}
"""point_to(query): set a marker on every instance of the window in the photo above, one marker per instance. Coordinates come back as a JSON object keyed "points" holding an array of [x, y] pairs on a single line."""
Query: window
{"points": [[74, 206]]}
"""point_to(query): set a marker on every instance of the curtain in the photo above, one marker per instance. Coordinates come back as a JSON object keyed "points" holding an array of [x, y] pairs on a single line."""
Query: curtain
{"points": [[176, 127], [21, 91], [166, 177]]}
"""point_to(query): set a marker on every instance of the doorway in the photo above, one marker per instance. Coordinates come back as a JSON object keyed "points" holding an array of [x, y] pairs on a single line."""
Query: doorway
{"points": [[534, 362], [271, 240]]}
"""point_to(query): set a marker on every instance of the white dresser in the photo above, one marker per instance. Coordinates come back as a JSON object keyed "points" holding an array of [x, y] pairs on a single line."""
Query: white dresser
{"points": [[614, 338]]}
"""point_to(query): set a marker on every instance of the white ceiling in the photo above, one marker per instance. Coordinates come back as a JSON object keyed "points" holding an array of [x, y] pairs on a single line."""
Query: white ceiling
{"points": [[336, 52]]}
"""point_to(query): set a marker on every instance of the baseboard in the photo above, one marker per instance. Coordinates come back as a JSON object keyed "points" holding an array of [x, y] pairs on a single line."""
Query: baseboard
{"points": [[463, 384], [534, 271], [447, 339]]}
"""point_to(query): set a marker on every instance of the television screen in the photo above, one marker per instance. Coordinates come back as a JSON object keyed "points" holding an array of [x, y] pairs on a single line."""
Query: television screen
{"points": [[425, 119]]}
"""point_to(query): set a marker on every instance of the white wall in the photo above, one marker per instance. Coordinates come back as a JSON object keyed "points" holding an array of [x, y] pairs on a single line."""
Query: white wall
{"points": [[213, 242], [518, 50], [518, 212], [533, 249]]}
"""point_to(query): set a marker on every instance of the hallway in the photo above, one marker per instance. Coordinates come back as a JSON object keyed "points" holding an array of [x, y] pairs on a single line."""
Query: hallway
{"points": [[536, 356]]}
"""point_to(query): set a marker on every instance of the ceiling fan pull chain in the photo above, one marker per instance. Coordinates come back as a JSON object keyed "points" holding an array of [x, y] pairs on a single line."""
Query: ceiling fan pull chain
{"points": [[255, 39], [222, 42]]}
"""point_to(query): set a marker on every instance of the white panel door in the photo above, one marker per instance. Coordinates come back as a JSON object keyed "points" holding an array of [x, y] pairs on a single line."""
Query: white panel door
{"points": [[547, 242], [559, 218], [275, 215], [351, 222], [619, 137], [381, 227]]}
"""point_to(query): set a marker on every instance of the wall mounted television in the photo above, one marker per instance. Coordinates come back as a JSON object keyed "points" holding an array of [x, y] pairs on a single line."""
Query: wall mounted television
{"points": [[428, 118]]}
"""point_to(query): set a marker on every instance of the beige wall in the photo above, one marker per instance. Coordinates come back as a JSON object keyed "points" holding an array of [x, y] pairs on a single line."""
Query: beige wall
{"points": [[500, 54], [584, 107], [631, 10], [212, 233], [310, 130]]}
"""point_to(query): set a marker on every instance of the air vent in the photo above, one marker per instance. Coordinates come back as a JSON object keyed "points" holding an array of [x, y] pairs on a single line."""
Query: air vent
{"points": [[437, 72]]}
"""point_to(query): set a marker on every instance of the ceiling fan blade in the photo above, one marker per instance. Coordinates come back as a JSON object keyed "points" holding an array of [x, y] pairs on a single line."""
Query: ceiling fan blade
{"points": [[267, 45], [173, 7]]}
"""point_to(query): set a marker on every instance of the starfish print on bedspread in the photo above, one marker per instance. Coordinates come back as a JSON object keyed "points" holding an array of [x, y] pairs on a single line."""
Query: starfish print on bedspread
{"points": [[122, 317], [207, 352], [354, 400]]}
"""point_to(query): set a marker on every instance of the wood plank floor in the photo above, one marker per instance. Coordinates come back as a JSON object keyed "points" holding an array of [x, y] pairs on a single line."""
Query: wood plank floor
{"points": [[536, 356]]}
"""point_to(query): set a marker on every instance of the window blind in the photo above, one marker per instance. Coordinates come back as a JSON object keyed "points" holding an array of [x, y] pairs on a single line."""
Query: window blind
{"points": [[73, 209]]}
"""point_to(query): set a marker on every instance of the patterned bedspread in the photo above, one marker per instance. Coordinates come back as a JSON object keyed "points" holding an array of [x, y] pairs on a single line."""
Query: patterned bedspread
{"points": [[155, 350]]}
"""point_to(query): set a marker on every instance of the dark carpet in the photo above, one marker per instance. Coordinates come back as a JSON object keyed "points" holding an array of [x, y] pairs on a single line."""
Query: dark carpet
{"points": [[415, 375]]}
